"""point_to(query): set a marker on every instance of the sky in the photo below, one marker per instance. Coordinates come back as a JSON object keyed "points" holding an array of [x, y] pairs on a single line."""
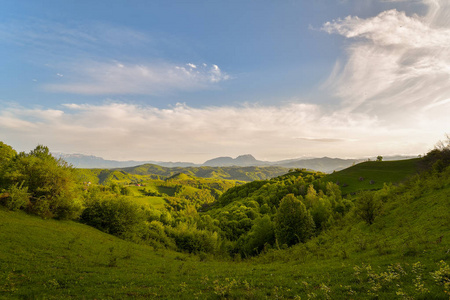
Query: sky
{"points": [[193, 80]]}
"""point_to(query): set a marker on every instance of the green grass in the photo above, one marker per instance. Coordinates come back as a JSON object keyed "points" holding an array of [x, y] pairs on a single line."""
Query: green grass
{"points": [[49, 259], [154, 201], [377, 172]]}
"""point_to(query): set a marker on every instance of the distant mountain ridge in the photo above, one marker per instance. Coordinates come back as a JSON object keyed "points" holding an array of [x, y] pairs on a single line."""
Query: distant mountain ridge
{"points": [[324, 164], [94, 162], [246, 160]]}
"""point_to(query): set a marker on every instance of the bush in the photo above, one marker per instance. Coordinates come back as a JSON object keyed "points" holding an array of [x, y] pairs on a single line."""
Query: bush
{"points": [[368, 206], [49, 182], [193, 240], [16, 197], [114, 215]]}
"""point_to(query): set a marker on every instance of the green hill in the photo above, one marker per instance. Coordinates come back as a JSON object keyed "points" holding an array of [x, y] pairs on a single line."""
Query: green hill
{"points": [[293, 236], [155, 171], [403, 254], [372, 175]]}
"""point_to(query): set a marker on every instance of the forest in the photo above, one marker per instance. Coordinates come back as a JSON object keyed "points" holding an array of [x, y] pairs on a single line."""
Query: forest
{"points": [[299, 217]]}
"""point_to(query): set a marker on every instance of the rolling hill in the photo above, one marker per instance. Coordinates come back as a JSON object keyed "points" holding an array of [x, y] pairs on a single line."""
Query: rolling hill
{"points": [[372, 175], [404, 253], [148, 171]]}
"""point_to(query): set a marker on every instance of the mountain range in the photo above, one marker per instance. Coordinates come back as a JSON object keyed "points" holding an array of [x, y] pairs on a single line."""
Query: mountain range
{"points": [[324, 164]]}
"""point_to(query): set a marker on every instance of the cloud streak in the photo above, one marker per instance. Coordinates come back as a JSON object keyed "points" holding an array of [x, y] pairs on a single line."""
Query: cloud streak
{"points": [[396, 65], [53, 37], [90, 58], [147, 79]]}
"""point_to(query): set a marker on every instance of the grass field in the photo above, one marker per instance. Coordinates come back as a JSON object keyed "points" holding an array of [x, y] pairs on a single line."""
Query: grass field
{"points": [[360, 176], [154, 201], [395, 258]]}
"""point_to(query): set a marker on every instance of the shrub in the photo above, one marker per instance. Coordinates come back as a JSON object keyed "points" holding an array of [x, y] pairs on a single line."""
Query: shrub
{"points": [[114, 215], [49, 182], [192, 240], [16, 197], [368, 206]]}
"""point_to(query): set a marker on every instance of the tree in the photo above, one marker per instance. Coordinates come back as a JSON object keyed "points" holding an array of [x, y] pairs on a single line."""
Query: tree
{"points": [[260, 236], [293, 223], [50, 182], [368, 206], [379, 158], [6, 153]]}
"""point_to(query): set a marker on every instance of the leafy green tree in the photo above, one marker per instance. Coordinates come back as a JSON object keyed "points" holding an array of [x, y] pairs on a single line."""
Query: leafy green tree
{"points": [[379, 158], [260, 236], [293, 223], [321, 213], [50, 182], [311, 196], [6, 153], [368, 206]]}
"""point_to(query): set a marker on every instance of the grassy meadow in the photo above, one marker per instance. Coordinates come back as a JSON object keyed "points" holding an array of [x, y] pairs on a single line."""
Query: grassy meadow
{"points": [[395, 258], [293, 236], [372, 175]]}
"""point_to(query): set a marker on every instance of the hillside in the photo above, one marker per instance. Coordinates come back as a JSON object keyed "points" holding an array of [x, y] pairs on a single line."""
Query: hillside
{"points": [[372, 175], [151, 171], [403, 254], [181, 236]]}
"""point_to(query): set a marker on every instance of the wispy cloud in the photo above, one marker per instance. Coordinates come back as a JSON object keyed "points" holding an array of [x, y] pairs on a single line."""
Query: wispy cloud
{"points": [[120, 78], [397, 64], [89, 56], [53, 37]]}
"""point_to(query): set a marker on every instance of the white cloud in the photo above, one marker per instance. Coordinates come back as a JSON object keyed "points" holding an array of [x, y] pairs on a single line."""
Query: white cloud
{"points": [[397, 64], [120, 78], [127, 131]]}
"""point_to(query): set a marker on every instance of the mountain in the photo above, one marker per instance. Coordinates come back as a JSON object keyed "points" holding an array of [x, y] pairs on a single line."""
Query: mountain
{"points": [[90, 162], [324, 164], [246, 160]]}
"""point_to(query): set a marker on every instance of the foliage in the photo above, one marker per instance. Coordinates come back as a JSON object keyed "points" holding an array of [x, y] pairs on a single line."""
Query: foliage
{"points": [[190, 239], [403, 254], [150, 171], [293, 223], [438, 158], [368, 206], [114, 215], [6, 153], [50, 182], [260, 237], [16, 197]]}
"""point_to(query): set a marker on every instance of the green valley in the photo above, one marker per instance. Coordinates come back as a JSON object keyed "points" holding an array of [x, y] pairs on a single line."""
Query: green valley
{"points": [[151, 233]]}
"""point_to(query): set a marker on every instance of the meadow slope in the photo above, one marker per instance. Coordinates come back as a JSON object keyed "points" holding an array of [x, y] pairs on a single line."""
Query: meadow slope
{"points": [[405, 253]]}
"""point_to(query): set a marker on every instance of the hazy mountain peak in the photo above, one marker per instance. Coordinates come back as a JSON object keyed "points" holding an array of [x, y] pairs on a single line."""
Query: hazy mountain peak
{"points": [[245, 157], [242, 160]]}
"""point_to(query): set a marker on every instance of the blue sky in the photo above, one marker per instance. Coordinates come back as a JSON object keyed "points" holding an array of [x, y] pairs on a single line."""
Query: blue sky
{"points": [[192, 80]]}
